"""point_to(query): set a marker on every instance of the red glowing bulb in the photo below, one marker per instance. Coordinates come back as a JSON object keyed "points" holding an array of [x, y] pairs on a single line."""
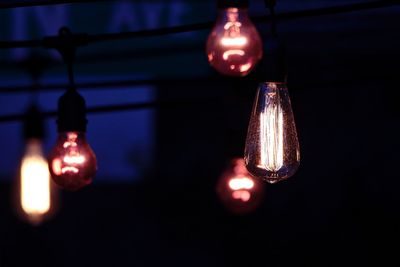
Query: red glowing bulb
{"points": [[72, 162], [238, 190], [234, 46]]}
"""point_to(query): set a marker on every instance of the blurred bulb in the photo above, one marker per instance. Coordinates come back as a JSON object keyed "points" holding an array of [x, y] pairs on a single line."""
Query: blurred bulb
{"points": [[234, 46], [238, 190], [72, 162], [272, 149], [36, 193]]}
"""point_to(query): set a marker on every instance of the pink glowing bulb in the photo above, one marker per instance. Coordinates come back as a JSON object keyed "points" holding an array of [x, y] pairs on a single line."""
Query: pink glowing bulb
{"points": [[238, 190], [72, 162], [234, 46]]}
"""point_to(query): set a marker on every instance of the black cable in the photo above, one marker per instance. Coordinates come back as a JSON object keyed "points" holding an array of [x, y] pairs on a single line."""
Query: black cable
{"points": [[122, 107], [150, 33], [332, 10], [271, 6], [84, 38], [124, 84], [274, 66], [32, 3], [178, 83]]}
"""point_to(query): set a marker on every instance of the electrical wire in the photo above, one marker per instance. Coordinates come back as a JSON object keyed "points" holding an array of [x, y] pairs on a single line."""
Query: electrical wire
{"points": [[271, 6], [123, 107], [32, 3], [46, 42], [178, 83], [122, 84]]}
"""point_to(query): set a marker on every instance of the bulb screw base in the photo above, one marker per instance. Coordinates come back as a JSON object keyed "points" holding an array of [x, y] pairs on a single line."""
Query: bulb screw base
{"points": [[71, 112]]}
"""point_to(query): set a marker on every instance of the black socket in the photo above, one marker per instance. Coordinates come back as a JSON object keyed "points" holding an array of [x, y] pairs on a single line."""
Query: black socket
{"points": [[71, 112], [232, 3], [33, 124]]}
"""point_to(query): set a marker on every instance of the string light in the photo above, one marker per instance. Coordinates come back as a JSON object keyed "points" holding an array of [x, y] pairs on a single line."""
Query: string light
{"points": [[272, 121], [234, 46]]}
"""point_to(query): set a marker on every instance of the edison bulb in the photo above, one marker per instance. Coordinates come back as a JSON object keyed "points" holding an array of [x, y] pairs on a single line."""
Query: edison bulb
{"points": [[272, 148], [238, 190], [35, 189], [234, 46], [72, 162]]}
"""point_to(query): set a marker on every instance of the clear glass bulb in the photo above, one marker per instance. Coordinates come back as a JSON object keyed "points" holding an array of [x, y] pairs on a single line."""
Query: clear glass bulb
{"points": [[234, 46], [238, 190], [35, 189], [72, 162], [272, 148]]}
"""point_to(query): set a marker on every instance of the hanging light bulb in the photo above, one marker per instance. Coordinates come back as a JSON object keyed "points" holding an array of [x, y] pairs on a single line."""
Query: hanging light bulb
{"points": [[72, 162], [238, 190], [272, 149], [35, 186], [234, 46], [35, 190]]}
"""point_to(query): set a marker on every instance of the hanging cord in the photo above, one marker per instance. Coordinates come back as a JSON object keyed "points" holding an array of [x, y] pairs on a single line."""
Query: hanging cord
{"points": [[274, 65], [67, 49], [66, 44], [71, 105], [270, 4], [179, 103]]}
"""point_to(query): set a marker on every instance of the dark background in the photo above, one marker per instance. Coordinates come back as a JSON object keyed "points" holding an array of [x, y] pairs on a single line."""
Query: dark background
{"points": [[340, 209]]}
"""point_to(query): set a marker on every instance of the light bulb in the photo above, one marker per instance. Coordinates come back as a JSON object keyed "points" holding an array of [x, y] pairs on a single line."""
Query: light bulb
{"points": [[272, 149], [36, 193], [234, 46], [238, 190], [72, 162]]}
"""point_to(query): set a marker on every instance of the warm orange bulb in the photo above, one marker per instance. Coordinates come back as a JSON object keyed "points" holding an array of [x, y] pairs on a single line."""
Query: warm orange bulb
{"points": [[234, 46], [72, 162], [238, 190]]}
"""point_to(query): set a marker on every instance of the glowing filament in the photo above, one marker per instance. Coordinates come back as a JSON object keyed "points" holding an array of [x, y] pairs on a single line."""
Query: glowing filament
{"points": [[69, 169], [241, 183], [271, 127], [235, 41], [76, 159], [229, 53], [35, 185]]}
